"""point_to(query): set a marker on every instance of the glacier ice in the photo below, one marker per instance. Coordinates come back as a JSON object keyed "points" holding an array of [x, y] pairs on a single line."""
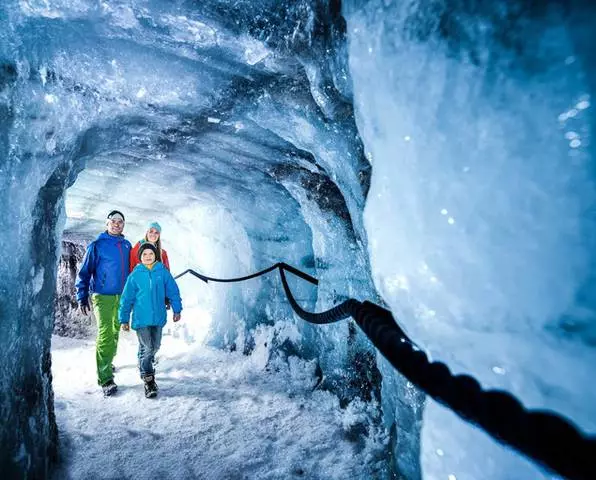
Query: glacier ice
{"points": [[436, 158], [481, 210]]}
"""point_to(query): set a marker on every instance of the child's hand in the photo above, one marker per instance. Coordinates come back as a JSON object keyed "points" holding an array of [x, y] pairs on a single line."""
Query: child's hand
{"points": [[125, 327], [176, 317]]}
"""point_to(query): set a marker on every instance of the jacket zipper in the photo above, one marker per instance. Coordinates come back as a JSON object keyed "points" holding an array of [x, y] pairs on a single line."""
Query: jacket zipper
{"points": [[122, 262], [152, 294]]}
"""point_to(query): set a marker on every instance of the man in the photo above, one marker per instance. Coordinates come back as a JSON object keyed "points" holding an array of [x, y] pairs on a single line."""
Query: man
{"points": [[103, 275]]}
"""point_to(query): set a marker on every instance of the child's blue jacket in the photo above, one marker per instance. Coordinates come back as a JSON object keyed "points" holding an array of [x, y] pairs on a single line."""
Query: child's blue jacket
{"points": [[145, 294]]}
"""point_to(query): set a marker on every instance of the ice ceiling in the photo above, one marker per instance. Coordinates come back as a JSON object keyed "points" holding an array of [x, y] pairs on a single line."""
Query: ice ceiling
{"points": [[439, 156]]}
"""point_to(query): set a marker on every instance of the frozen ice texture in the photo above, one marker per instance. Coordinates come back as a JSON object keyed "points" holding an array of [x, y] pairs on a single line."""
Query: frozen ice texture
{"points": [[117, 101], [249, 129], [480, 215]]}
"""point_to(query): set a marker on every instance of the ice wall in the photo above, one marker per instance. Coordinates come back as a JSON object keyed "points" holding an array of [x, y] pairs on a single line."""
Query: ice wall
{"points": [[232, 124], [478, 121], [28, 432]]}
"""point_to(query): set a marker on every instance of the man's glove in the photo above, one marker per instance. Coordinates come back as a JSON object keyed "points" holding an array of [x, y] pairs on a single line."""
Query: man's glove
{"points": [[84, 306], [125, 327]]}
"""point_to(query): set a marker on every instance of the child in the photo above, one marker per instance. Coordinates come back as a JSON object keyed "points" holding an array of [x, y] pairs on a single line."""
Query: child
{"points": [[153, 236], [145, 291]]}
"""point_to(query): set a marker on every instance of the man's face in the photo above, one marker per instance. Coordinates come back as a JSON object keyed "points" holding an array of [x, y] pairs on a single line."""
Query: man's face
{"points": [[115, 226], [147, 257]]}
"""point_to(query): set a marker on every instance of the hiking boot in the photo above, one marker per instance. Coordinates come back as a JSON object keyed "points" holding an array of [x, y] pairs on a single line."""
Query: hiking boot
{"points": [[150, 386], [109, 388]]}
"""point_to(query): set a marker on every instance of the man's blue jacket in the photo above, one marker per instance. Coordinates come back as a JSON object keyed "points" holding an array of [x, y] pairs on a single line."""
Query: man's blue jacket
{"points": [[105, 267]]}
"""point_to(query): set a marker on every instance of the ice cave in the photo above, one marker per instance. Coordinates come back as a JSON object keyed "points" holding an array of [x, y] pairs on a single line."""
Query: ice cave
{"points": [[432, 157]]}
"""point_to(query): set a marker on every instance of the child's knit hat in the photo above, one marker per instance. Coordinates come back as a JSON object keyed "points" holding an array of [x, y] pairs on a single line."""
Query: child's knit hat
{"points": [[147, 246]]}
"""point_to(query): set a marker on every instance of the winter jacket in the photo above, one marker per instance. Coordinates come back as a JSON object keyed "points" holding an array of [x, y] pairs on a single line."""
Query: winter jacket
{"points": [[145, 293], [105, 267], [134, 256]]}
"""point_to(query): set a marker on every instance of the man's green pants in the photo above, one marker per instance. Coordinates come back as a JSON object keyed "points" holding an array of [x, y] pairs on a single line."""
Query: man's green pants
{"points": [[105, 308]]}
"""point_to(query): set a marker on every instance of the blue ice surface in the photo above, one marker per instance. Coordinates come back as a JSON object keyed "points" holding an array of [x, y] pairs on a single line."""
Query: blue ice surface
{"points": [[249, 132]]}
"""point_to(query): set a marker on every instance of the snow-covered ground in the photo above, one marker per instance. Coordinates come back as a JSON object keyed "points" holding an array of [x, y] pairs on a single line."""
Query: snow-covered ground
{"points": [[218, 415]]}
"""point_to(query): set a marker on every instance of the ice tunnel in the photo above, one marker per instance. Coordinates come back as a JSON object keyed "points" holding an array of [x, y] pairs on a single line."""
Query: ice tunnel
{"points": [[433, 157]]}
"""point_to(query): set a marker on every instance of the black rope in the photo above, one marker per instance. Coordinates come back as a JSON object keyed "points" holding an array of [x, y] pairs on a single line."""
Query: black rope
{"points": [[207, 279], [546, 437], [337, 313], [295, 271]]}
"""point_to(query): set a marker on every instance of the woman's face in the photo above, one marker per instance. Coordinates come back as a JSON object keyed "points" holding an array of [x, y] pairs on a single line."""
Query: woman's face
{"points": [[147, 257], [152, 235]]}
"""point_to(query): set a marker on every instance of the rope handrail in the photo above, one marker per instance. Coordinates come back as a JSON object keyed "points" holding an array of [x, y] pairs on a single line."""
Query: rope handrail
{"points": [[289, 268], [545, 437]]}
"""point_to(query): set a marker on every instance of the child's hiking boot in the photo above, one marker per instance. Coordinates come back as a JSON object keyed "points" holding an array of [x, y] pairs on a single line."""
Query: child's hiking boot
{"points": [[150, 386], [109, 388]]}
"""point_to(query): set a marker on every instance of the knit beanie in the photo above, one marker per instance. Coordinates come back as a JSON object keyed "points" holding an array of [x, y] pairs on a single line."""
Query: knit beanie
{"points": [[148, 246], [155, 225], [115, 213]]}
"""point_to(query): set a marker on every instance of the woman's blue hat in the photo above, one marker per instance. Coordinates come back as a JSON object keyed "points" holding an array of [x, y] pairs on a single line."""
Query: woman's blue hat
{"points": [[155, 225]]}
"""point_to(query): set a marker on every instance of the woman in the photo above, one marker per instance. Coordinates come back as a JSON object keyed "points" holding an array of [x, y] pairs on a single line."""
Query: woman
{"points": [[152, 236]]}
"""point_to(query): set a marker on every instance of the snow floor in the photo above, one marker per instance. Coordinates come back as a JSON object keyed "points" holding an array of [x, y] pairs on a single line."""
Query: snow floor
{"points": [[218, 415]]}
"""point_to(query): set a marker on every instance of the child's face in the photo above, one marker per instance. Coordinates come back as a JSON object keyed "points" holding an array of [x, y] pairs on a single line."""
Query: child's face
{"points": [[147, 257]]}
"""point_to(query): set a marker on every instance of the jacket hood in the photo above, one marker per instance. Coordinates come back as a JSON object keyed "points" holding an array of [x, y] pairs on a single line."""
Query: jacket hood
{"points": [[144, 240], [156, 267], [106, 236]]}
